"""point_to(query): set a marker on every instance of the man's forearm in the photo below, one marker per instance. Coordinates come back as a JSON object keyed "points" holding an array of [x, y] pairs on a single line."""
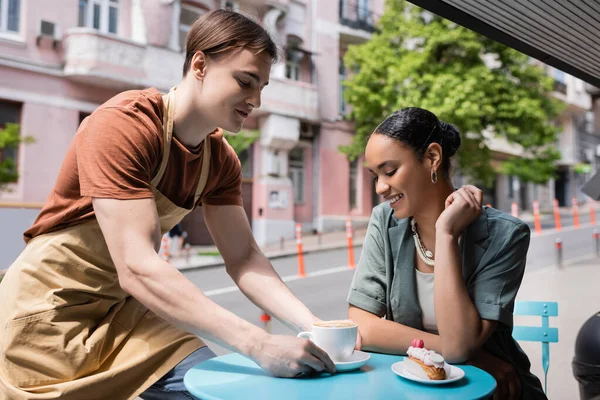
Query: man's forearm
{"points": [[169, 294], [262, 285]]}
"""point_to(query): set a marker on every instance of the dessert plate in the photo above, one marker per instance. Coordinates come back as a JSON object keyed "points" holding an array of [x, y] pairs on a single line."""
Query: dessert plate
{"points": [[456, 374], [356, 360]]}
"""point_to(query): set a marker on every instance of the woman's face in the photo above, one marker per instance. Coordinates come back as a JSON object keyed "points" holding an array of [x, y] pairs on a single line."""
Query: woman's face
{"points": [[399, 177], [231, 87]]}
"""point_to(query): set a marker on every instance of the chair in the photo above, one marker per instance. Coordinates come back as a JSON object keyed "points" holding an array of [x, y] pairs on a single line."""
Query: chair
{"points": [[545, 334]]}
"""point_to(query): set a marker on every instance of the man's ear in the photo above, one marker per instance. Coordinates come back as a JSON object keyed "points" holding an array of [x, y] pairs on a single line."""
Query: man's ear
{"points": [[198, 66]]}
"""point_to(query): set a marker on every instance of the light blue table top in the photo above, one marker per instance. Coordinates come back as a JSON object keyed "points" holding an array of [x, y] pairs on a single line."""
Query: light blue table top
{"points": [[234, 376]]}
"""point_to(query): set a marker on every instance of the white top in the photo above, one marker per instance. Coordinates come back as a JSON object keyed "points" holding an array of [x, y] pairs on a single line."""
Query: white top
{"points": [[425, 296]]}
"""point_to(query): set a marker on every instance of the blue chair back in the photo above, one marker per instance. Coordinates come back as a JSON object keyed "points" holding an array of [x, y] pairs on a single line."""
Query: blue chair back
{"points": [[543, 334]]}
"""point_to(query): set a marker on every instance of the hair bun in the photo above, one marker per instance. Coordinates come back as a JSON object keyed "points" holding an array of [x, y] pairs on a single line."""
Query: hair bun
{"points": [[451, 138]]}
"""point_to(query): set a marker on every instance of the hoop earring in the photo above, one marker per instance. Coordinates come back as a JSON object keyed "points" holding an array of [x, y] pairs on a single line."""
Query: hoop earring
{"points": [[434, 177]]}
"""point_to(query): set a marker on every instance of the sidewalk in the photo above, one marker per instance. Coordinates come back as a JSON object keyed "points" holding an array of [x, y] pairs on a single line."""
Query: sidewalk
{"points": [[575, 288], [205, 256]]}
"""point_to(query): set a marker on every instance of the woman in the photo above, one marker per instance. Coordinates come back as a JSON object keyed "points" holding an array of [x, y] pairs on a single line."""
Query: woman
{"points": [[89, 309], [434, 263]]}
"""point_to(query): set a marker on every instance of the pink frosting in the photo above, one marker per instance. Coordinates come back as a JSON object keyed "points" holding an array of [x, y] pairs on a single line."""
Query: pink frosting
{"points": [[427, 357]]}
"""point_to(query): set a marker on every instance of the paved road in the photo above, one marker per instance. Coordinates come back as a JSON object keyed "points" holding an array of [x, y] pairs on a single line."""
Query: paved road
{"points": [[324, 290]]}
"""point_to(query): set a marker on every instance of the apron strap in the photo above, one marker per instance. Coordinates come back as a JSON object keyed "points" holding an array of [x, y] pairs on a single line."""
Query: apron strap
{"points": [[205, 168], [168, 118]]}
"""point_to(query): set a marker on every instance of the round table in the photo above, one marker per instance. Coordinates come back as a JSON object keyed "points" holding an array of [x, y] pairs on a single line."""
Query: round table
{"points": [[234, 376]]}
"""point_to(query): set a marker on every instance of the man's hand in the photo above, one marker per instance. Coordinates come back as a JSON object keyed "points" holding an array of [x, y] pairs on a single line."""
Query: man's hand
{"points": [[509, 382], [289, 357]]}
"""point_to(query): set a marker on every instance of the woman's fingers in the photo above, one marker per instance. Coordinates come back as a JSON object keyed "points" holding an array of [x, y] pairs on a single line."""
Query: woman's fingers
{"points": [[477, 193]]}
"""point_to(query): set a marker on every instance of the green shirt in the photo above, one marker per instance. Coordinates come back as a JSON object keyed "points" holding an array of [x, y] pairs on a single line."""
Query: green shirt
{"points": [[493, 250]]}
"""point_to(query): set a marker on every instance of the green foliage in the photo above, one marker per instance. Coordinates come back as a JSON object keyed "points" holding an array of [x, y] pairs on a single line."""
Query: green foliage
{"points": [[10, 138], [242, 140], [419, 59]]}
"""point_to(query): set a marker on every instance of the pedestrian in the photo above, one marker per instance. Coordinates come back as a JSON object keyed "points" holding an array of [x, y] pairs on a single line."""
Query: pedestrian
{"points": [[434, 263], [89, 309], [178, 234]]}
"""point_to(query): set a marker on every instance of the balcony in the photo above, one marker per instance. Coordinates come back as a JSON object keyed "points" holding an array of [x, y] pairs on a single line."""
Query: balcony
{"points": [[291, 98], [106, 60], [593, 91], [357, 15]]}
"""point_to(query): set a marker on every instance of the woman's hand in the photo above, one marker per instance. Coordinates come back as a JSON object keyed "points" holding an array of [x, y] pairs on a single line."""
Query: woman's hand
{"points": [[462, 208], [509, 382]]}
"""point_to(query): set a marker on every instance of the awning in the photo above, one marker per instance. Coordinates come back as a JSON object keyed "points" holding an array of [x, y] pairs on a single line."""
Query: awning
{"points": [[561, 33]]}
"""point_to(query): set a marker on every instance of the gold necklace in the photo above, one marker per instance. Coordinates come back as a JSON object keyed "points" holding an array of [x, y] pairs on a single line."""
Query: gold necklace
{"points": [[424, 254]]}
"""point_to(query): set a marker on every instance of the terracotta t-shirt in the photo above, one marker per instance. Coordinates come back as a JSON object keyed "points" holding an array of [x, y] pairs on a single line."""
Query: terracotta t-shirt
{"points": [[115, 154]]}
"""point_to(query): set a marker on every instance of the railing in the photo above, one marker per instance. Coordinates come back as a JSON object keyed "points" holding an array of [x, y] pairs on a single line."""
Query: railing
{"points": [[357, 14]]}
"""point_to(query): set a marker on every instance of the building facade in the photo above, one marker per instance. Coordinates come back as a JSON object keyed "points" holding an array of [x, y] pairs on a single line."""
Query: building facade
{"points": [[57, 64], [578, 143]]}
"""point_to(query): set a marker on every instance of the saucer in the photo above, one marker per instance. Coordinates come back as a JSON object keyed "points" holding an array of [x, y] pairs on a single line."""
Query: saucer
{"points": [[455, 374], [355, 361]]}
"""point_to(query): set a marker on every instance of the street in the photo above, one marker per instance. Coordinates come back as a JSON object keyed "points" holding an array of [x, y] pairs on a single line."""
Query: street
{"points": [[325, 288]]}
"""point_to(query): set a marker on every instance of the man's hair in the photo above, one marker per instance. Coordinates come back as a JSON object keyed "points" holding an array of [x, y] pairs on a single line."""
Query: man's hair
{"points": [[222, 30]]}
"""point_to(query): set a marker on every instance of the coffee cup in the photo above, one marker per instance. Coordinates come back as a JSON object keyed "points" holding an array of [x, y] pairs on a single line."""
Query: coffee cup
{"points": [[337, 338]]}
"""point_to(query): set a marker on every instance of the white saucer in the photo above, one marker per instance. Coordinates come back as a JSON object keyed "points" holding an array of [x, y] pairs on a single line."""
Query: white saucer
{"points": [[356, 360], [455, 374]]}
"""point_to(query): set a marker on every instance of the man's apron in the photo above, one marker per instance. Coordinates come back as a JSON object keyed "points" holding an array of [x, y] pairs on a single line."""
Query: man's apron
{"points": [[68, 330]]}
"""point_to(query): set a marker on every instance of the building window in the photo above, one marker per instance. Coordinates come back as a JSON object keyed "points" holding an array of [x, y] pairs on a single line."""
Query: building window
{"points": [[297, 174], [9, 114], [230, 5], [341, 78], [10, 15], [362, 11], [558, 75], [186, 19], [353, 184], [357, 14], [293, 59], [560, 84], [102, 15]]}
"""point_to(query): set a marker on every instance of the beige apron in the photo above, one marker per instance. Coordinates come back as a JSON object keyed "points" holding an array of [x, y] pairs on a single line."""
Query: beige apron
{"points": [[68, 330]]}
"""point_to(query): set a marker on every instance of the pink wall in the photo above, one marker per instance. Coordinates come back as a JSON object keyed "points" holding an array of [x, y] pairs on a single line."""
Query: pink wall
{"points": [[327, 60], [53, 129], [125, 19], [260, 192], [334, 174], [367, 188], [304, 212], [334, 171], [62, 12], [53, 86]]}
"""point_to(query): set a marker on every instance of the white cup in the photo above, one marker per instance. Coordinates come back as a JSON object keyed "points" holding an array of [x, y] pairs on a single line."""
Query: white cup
{"points": [[337, 338]]}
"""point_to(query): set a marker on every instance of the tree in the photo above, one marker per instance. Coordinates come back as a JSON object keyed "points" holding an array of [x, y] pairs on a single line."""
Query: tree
{"points": [[10, 138], [420, 59], [242, 140]]}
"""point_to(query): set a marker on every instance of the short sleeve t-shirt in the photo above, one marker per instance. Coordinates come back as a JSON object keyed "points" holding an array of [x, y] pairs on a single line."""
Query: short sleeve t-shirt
{"points": [[116, 152]]}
